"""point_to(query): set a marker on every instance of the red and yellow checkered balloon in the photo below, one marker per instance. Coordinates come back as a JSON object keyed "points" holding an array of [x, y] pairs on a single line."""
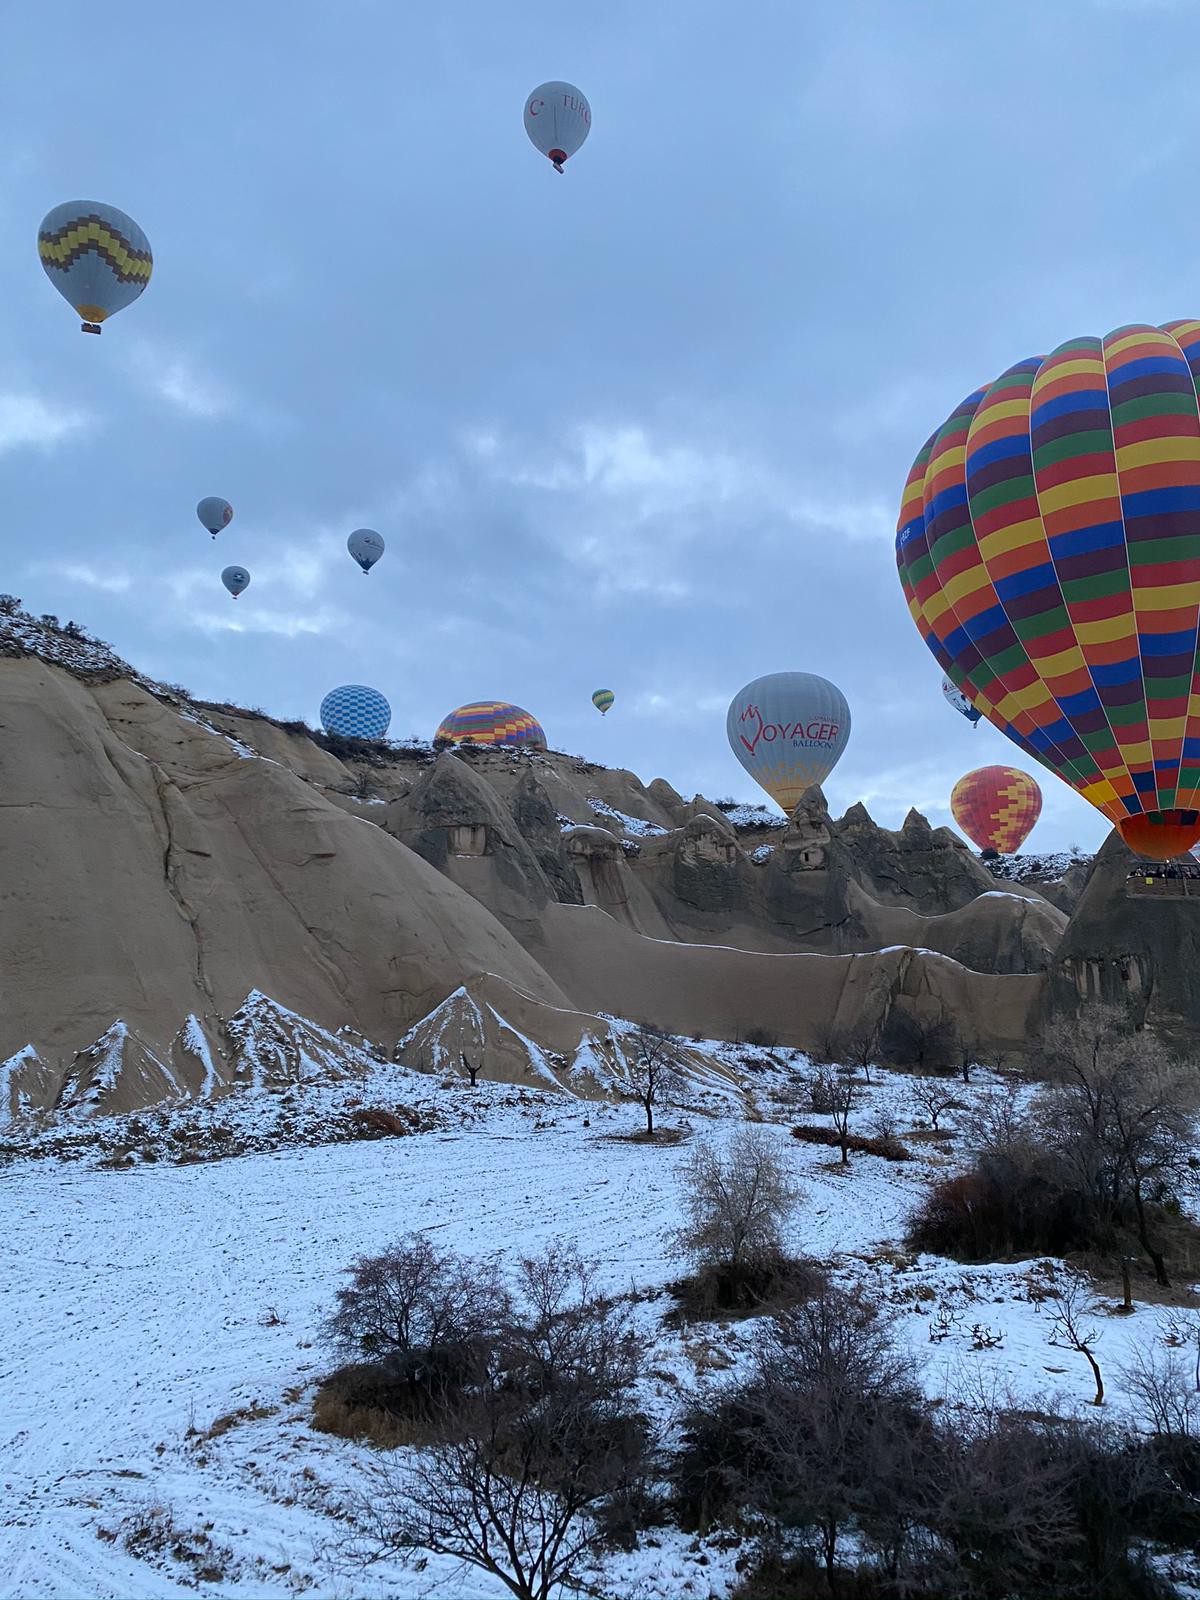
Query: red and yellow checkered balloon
{"points": [[996, 807]]}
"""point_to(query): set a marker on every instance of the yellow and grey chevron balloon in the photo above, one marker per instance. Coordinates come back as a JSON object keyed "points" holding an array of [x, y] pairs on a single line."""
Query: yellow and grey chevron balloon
{"points": [[96, 257]]}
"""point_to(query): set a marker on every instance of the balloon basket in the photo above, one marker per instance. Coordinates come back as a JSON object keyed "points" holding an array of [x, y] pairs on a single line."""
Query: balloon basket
{"points": [[89, 327]]}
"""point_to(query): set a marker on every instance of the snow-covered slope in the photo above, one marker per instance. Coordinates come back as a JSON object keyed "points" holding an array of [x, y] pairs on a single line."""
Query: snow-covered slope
{"points": [[169, 1316]]}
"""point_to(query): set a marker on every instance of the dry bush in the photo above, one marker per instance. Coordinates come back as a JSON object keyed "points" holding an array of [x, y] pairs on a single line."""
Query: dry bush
{"points": [[376, 1122], [885, 1145], [1093, 1165], [541, 1459]]}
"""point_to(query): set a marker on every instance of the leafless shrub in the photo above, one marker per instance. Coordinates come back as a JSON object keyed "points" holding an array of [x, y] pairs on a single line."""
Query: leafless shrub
{"points": [[1161, 1383], [735, 1207], [413, 1300], [540, 1460]]}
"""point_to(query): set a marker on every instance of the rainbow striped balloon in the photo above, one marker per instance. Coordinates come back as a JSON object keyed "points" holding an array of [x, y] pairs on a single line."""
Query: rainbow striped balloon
{"points": [[491, 722], [1049, 551]]}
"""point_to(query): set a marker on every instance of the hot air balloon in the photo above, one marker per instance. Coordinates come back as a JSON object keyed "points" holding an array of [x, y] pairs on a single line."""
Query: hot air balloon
{"points": [[1049, 550], [491, 722], [997, 808], [602, 700], [366, 546], [557, 119], [214, 513], [354, 711], [96, 257], [235, 580], [960, 702], [788, 730]]}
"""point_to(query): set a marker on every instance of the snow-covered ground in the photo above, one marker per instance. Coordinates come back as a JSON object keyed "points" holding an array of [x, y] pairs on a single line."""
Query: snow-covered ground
{"points": [[148, 1303]]}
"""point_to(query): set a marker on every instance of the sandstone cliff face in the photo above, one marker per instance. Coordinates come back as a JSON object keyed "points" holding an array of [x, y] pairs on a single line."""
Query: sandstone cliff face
{"points": [[165, 866], [1133, 943], [150, 870]]}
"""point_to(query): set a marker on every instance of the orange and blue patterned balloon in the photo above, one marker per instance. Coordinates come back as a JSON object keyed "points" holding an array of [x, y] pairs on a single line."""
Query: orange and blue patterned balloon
{"points": [[1049, 550], [997, 808], [491, 722]]}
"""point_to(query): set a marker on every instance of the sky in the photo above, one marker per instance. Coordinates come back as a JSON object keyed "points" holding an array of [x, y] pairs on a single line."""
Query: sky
{"points": [[642, 426]]}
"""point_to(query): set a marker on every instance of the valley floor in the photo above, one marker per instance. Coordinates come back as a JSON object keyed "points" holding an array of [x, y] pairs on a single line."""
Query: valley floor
{"points": [[147, 1304]]}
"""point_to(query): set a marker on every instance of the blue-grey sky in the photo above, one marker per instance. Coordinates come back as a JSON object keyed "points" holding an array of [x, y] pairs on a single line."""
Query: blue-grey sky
{"points": [[643, 426]]}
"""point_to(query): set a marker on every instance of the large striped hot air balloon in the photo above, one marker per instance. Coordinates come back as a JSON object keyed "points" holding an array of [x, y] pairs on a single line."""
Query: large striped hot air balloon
{"points": [[1049, 550], [997, 808], [491, 722]]}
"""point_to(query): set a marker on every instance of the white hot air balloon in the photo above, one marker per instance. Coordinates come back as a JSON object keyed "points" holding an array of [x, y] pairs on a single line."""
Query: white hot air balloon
{"points": [[960, 702], [788, 730], [366, 546], [235, 580], [557, 119], [214, 513]]}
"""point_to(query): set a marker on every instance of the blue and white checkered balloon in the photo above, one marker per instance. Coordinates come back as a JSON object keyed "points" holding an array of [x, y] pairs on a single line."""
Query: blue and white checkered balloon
{"points": [[355, 712]]}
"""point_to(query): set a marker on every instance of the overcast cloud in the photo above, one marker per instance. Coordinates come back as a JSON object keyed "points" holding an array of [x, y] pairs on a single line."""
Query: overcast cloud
{"points": [[643, 426]]}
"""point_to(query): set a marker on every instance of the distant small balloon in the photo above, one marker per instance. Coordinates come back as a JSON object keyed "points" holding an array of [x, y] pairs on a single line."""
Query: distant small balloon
{"points": [[960, 702], [235, 580], [97, 258], [366, 546], [214, 513], [603, 699], [557, 119]]}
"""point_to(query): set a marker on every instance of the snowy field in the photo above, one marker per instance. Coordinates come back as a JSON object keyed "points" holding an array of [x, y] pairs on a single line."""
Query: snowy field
{"points": [[146, 1304]]}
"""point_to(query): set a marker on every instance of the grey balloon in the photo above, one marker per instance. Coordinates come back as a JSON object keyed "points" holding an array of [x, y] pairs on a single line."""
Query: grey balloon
{"points": [[214, 513], [235, 580], [788, 730], [366, 546]]}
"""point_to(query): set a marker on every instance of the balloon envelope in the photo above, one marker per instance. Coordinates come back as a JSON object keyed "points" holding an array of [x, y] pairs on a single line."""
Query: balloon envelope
{"points": [[235, 580], [491, 722], [366, 546], [214, 513], [960, 702], [355, 711], [1049, 551], [788, 730], [603, 699], [557, 119], [996, 807], [96, 257]]}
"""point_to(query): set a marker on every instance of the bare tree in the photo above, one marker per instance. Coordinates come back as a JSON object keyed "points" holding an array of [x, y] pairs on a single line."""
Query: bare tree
{"points": [[1122, 1117], [840, 1099], [650, 1070], [534, 1454], [471, 1069], [861, 1050], [834, 1393], [735, 1205], [1070, 1311], [933, 1099]]}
